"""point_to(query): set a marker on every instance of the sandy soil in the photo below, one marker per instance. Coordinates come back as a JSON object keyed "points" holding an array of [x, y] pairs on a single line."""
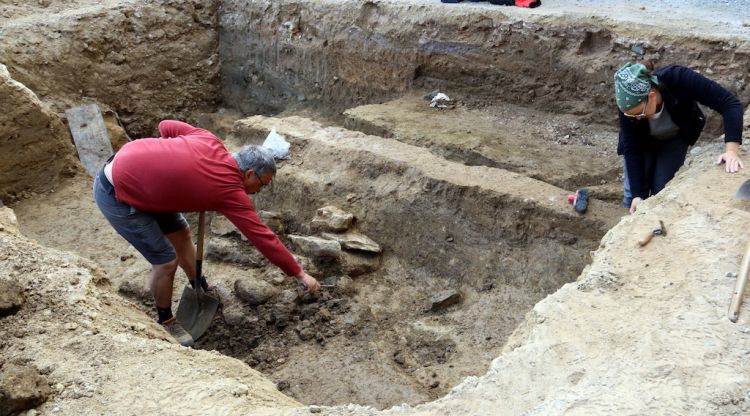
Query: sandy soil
{"points": [[640, 331]]}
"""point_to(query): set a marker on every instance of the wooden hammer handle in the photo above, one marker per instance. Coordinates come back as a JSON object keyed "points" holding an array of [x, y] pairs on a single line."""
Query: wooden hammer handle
{"points": [[739, 287], [646, 238]]}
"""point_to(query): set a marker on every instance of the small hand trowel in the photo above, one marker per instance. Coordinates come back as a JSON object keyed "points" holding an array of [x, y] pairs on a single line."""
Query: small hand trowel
{"points": [[742, 193], [197, 308]]}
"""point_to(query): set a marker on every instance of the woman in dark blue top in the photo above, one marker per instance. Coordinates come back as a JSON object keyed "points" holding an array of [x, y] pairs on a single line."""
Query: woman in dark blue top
{"points": [[660, 118]]}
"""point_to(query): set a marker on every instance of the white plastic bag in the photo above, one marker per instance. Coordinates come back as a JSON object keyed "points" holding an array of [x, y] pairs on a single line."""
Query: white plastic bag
{"points": [[277, 145], [440, 100]]}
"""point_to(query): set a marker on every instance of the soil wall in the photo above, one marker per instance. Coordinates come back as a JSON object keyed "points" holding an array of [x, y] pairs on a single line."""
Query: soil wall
{"points": [[145, 60], [35, 146], [341, 54]]}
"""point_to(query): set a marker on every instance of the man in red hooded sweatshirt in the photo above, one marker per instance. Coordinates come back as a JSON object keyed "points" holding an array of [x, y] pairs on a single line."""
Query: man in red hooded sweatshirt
{"points": [[149, 182]]}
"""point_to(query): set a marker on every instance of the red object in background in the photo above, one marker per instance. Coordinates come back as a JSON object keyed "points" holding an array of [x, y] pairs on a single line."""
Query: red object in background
{"points": [[571, 198], [528, 3]]}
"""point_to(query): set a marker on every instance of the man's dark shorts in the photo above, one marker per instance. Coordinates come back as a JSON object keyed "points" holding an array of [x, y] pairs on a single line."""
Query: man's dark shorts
{"points": [[144, 230]]}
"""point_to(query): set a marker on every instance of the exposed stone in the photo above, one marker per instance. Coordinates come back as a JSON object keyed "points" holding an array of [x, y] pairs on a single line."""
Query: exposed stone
{"points": [[309, 265], [233, 251], [282, 385], [444, 299], [281, 314], [21, 388], [398, 358], [8, 221], [221, 226], [273, 220], [354, 241], [136, 289], [254, 291], [288, 297], [275, 276], [342, 284], [331, 218], [31, 125], [306, 334], [325, 314], [11, 297], [118, 137], [356, 264], [309, 310], [316, 246]]}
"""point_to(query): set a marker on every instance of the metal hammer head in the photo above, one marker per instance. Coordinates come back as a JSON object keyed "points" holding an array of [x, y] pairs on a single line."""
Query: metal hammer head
{"points": [[661, 230]]}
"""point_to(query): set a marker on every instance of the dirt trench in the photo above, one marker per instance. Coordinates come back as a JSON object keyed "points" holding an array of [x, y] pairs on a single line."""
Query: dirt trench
{"points": [[472, 234]]}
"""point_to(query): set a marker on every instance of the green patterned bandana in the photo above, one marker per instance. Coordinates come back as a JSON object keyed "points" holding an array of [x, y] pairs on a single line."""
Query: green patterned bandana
{"points": [[632, 85]]}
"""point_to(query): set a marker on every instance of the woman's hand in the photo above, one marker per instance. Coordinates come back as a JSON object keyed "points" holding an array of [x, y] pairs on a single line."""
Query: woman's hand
{"points": [[731, 157], [634, 204]]}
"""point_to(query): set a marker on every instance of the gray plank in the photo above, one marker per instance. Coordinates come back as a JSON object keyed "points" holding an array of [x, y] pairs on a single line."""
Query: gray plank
{"points": [[90, 136]]}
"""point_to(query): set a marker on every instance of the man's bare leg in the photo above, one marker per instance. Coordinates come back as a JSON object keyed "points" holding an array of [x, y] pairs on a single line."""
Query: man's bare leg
{"points": [[183, 244], [161, 281]]}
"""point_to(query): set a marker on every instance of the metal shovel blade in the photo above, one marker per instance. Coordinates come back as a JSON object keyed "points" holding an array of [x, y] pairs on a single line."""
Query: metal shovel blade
{"points": [[196, 311], [744, 191]]}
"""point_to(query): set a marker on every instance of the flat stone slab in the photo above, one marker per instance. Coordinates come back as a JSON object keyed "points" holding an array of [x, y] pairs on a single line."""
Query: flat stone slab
{"points": [[444, 299], [354, 241], [316, 246]]}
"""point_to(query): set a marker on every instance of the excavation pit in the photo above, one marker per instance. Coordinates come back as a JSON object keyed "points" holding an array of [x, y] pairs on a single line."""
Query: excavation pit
{"points": [[467, 251], [469, 205]]}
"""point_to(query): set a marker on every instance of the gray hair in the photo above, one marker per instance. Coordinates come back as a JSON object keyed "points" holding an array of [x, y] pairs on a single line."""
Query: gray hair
{"points": [[256, 158]]}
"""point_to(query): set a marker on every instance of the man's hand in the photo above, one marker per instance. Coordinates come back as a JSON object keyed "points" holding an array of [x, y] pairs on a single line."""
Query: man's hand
{"points": [[309, 283], [731, 157], [634, 204]]}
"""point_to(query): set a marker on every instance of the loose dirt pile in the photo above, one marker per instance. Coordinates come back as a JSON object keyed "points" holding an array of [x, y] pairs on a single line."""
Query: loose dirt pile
{"points": [[87, 351]]}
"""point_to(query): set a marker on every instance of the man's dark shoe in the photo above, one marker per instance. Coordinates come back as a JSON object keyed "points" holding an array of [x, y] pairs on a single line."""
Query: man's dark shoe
{"points": [[450, 1], [177, 332]]}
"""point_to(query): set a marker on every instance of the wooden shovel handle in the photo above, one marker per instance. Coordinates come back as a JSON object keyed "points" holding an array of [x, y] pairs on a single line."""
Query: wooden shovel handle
{"points": [[739, 287], [199, 249]]}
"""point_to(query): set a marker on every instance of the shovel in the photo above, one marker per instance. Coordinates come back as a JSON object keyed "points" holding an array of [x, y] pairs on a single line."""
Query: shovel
{"points": [[739, 288], [197, 308]]}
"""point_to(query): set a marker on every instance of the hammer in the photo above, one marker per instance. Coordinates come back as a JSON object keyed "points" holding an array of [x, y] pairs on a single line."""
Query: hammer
{"points": [[660, 230]]}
